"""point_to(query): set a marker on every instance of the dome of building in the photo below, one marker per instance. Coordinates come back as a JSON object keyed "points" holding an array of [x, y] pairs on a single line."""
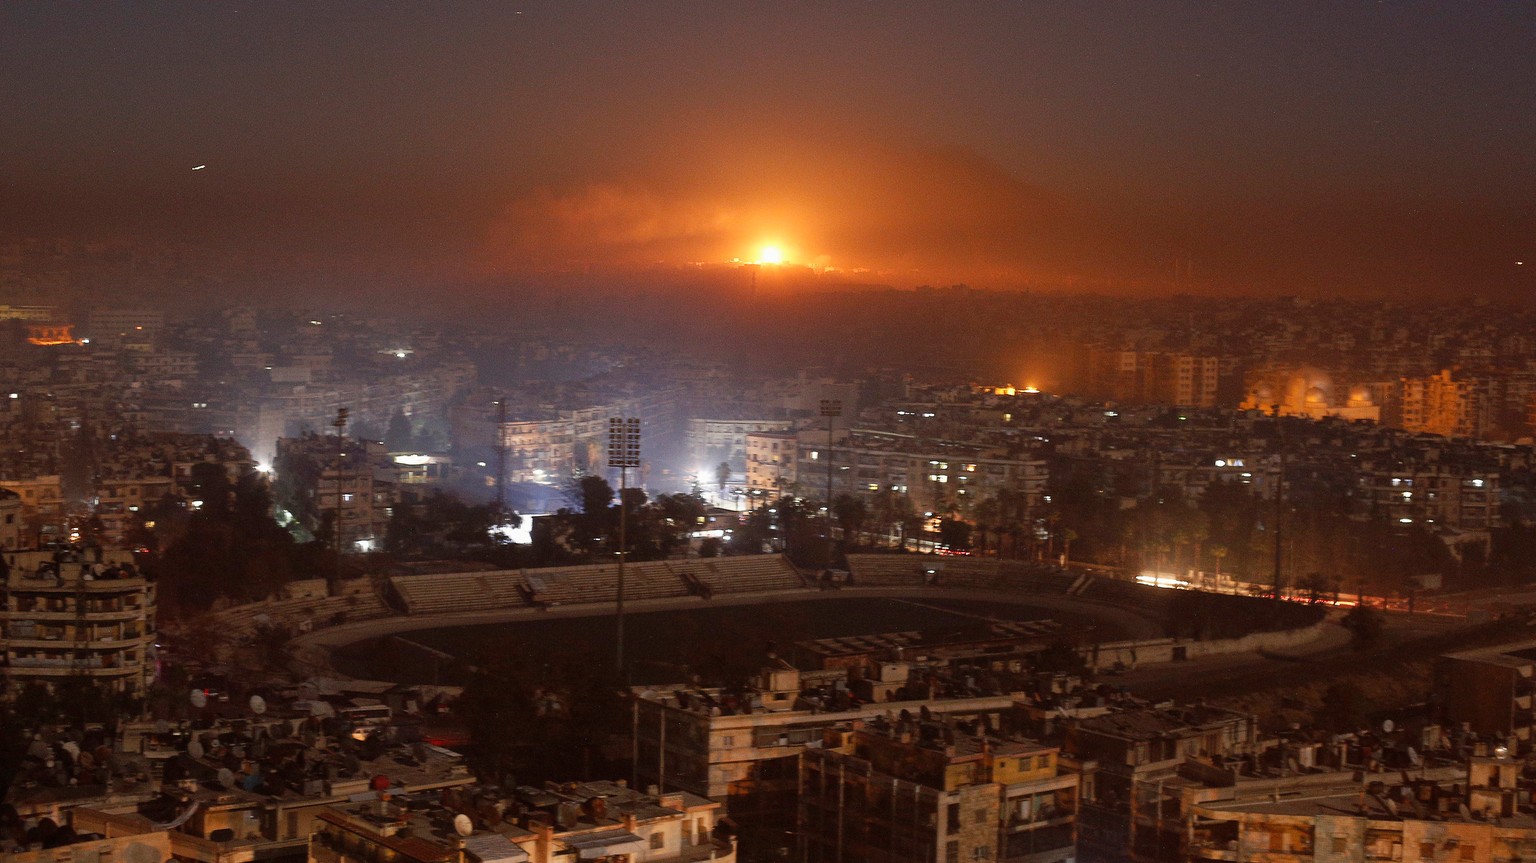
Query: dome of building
{"points": [[1309, 388]]}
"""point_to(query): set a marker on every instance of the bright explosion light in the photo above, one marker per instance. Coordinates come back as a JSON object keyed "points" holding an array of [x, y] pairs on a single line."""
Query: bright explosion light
{"points": [[770, 255]]}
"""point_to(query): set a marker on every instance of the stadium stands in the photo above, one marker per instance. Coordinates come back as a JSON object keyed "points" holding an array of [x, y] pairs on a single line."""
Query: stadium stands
{"points": [[751, 574]]}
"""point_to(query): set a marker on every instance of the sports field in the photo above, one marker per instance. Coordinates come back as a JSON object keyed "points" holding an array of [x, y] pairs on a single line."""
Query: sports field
{"points": [[660, 644]]}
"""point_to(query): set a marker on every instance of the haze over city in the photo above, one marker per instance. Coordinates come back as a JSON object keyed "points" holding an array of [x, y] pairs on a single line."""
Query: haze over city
{"points": [[1341, 149]]}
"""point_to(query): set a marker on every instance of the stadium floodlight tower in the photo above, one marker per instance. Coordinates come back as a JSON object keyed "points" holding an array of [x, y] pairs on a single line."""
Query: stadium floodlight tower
{"points": [[623, 453]]}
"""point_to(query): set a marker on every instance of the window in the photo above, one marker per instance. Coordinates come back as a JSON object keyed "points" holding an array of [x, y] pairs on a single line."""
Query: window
{"points": [[658, 840], [1277, 840], [952, 818], [982, 816], [1340, 844], [1427, 850], [1468, 852], [951, 852]]}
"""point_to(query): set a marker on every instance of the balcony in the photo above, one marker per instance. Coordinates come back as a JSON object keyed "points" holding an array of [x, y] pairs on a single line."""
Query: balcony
{"points": [[24, 669]]}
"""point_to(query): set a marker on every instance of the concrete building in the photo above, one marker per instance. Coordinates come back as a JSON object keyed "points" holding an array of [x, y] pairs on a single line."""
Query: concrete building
{"points": [[123, 324], [937, 476], [712, 441], [770, 459], [578, 821], [746, 755], [1490, 690], [358, 494], [1443, 404], [1450, 495], [1136, 750], [923, 791], [66, 617], [12, 526], [1461, 815]]}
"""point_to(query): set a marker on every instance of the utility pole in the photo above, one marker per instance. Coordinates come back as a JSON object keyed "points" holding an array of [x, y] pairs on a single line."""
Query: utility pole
{"points": [[501, 461], [623, 453], [340, 424], [831, 409]]}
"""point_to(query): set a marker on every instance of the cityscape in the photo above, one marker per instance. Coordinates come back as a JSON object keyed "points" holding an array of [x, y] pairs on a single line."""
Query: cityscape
{"points": [[481, 433]]}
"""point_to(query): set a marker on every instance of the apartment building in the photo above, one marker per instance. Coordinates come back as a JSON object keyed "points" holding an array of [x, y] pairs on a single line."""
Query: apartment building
{"points": [[1490, 690], [66, 616], [576, 821], [915, 790]]}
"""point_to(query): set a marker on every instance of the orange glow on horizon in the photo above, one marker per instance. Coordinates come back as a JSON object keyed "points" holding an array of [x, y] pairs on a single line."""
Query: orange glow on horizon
{"points": [[770, 254]]}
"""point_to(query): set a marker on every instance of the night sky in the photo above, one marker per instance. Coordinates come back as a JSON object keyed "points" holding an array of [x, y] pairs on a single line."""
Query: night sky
{"points": [[1312, 148]]}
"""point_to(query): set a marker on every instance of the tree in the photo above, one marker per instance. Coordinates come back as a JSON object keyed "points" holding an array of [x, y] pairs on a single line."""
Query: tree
{"points": [[887, 511], [595, 495], [955, 534], [397, 438], [851, 514], [1068, 536], [1314, 584], [1365, 625], [1219, 553]]}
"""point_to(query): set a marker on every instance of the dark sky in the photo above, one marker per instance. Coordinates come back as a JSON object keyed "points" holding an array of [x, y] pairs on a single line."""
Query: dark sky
{"points": [[1372, 148]]}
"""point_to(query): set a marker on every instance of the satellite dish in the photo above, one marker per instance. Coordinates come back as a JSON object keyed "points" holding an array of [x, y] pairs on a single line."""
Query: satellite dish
{"points": [[1387, 726], [195, 749], [226, 777], [199, 699], [162, 727], [258, 705], [462, 825]]}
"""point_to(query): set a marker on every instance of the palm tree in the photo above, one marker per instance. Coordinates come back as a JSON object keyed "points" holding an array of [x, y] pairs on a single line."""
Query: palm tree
{"points": [[1068, 535], [1218, 553]]}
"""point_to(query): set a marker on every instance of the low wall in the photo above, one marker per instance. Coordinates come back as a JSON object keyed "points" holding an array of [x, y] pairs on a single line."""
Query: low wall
{"points": [[1154, 650]]}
